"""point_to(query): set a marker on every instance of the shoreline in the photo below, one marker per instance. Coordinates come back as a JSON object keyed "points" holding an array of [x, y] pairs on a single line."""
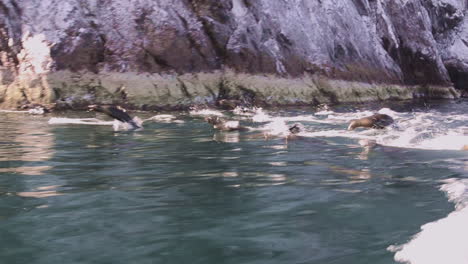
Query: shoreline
{"points": [[144, 91]]}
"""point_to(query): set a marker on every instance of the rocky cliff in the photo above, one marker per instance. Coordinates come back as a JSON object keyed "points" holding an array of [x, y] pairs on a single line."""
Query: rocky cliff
{"points": [[152, 53]]}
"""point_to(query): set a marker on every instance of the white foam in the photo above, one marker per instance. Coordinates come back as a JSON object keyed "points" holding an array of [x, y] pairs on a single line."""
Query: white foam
{"points": [[244, 111], [162, 119], [124, 126], [82, 121], [13, 111], [457, 191], [324, 112], [205, 112], [387, 111], [277, 127], [444, 240], [445, 142], [36, 111], [261, 116], [348, 116], [116, 125], [232, 124], [411, 130]]}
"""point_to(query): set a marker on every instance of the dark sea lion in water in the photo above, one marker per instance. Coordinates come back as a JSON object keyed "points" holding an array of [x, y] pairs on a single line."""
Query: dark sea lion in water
{"points": [[115, 112], [378, 121], [295, 129], [223, 125]]}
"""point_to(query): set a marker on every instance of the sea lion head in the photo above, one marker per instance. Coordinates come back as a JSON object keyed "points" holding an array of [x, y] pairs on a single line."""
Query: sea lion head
{"points": [[296, 128]]}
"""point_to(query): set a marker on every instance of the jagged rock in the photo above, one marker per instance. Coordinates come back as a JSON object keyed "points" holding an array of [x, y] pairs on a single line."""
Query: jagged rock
{"points": [[177, 52]]}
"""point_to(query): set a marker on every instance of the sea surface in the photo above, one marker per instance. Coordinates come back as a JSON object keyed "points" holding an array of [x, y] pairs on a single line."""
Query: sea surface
{"points": [[78, 188]]}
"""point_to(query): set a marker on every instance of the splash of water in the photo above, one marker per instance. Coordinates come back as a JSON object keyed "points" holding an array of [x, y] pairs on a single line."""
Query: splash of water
{"points": [[205, 112], [444, 240], [116, 125], [418, 130], [260, 116], [124, 126], [14, 111], [81, 121]]}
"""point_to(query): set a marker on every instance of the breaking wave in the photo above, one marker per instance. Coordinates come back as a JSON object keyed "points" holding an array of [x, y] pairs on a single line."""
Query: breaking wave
{"points": [[418, 130], [444, 240], [80, 121]]}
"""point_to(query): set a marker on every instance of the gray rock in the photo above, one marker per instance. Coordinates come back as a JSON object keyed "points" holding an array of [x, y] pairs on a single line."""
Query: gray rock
{"points": [[84, 51]]}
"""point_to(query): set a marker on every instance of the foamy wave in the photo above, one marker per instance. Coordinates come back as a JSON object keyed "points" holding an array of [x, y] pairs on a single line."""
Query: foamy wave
{"points": [[324, 112], [124, 126], [82, 121], [388, 111], [205, 112], [444, 240], [14, 111], [336, 133], [411, 130], [116, 125], [245, 111], [261, 116], [162, 119], [445, 142], [277, 127], [457, 192]]}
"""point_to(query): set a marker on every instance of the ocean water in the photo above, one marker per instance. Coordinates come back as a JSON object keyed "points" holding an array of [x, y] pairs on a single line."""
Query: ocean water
{"points": [[80, 188]]}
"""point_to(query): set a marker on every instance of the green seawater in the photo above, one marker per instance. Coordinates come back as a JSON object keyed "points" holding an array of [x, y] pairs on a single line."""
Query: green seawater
{"points": [[176, 192]]}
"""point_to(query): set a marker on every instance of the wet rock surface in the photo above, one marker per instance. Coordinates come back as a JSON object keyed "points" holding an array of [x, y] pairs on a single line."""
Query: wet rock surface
{"points": [[150, 53]]}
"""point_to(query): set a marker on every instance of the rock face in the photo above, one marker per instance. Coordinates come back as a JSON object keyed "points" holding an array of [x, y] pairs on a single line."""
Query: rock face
{"points": [[149, 53]]}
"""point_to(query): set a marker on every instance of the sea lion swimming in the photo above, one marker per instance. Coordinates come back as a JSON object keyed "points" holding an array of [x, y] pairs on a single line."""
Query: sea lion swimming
{"points": [[115, 112], [378, 121], [295, 129]]}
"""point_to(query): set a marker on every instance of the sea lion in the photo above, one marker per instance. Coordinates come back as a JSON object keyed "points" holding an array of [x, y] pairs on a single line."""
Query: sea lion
{"points": [[295, 129], [223, 125], [378, 121], [115, 112]]}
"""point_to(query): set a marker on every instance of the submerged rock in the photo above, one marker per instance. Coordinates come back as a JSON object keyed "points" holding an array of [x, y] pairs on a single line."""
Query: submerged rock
{"points": [[150, 54]]}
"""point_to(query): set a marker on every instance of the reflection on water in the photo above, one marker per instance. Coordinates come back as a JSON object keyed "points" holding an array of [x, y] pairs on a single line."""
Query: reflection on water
{"points": [[27, 170], [228, 137], [23, 142], [180, 192], [41, 194]]}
